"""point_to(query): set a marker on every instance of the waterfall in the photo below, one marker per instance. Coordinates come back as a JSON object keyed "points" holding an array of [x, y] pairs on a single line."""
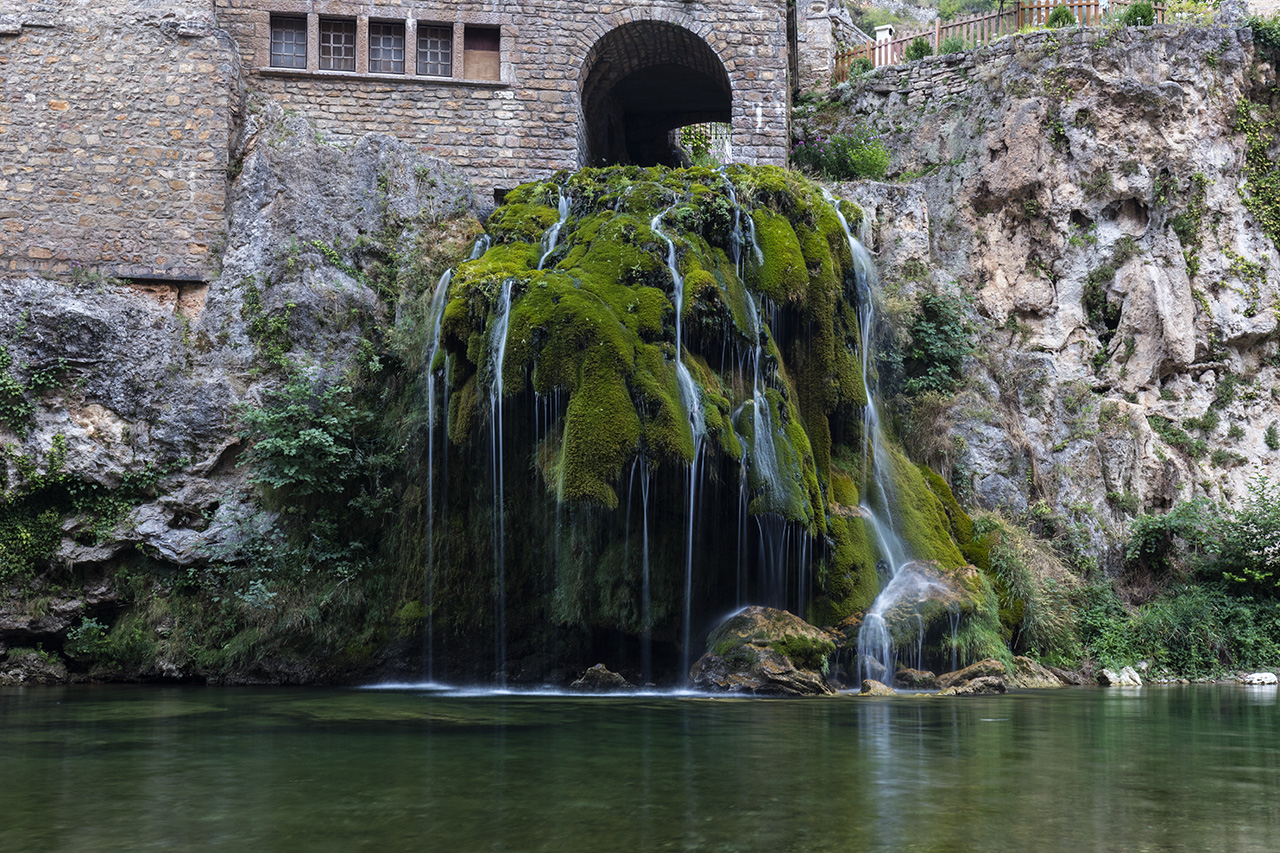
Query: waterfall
{"points": [[552, 236], [691, 398], [435, 319], [876, 655], [497, 352]]}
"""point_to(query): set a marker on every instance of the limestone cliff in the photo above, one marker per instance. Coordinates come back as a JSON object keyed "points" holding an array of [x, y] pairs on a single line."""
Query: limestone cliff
{"points": [[1084, 191], [119, 399]]}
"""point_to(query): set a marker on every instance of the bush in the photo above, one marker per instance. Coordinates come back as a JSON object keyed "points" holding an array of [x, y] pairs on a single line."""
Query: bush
{"points": [[1174, 542], [951, 44], [843, 156], [1249, 552], [861, 66], [1061, 17], [940, 339], [1138, 15], [1266, 31], [918, 49]]}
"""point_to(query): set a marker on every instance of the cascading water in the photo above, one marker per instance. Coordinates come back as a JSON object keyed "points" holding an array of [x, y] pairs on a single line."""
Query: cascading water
{"points": [[435, 318], [497, 354], [691, 398], [906, 583], [552, 236]]}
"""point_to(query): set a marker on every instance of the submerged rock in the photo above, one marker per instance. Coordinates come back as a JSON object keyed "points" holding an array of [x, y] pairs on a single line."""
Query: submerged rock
{"points": [[1126, 677], [871, 687], [600, 679], [984, 686], [765, 651]]}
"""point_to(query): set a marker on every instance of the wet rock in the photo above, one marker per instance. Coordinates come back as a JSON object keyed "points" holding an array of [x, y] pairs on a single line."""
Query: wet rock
{"points": [[1124, 678], [30, 666], [983, 686], [765, 651], [599, 679], [870, 687], [1029, 675], [915, 679], [1067, 676], [1260, 678], [983, 668]]}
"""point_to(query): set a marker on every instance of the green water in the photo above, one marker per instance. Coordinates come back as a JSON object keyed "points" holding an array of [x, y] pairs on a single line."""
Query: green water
{"points": [[146, 768]]}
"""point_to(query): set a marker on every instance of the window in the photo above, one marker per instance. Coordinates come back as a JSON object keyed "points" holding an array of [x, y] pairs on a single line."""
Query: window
{"points": [[435, 50], [481, 54], [288, 42], [386, 47], [337, 44]]}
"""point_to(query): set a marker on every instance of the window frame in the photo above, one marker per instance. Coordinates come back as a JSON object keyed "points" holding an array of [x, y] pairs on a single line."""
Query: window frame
{"points": [[468, 69], [354, 33], [423, 27], [397, 27], [293, 24]]}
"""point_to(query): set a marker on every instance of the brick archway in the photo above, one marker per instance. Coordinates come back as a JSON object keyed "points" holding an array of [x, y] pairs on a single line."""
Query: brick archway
{"points": [[641, 80]]}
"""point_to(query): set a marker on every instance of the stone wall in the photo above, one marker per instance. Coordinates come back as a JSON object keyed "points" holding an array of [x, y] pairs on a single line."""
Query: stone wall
{"points": [[529, 123], [114, 128]]}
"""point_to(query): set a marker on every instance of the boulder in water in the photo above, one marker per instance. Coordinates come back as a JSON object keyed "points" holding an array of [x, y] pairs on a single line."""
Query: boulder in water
{"points": [[1260, 678], [989, 667], [871, 687], [1126, 677], [1068, 676], [767, 652], [1029, 675], [915, 679], [600, 679], [985, 685]]}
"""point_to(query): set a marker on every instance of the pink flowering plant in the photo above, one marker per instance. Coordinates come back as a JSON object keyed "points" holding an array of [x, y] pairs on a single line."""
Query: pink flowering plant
{"points": [[842, 156]]}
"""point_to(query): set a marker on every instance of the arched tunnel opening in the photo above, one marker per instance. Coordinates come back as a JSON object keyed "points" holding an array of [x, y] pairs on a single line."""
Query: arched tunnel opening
{"points": [[640, 82]]}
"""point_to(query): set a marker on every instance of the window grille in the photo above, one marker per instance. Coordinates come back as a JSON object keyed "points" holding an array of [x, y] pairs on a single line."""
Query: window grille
{"points": [[386, 47], [288, 42], [435, 51], [337, 44]]}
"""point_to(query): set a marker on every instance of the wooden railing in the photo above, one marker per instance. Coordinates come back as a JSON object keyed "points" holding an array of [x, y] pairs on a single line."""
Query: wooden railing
{"points": [[982, 28]]}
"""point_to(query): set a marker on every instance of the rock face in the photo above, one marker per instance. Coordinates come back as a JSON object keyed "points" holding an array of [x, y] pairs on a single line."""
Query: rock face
{"points": [[599, 679], [1083, 188], [767, 652], [1126, 677], [144, 379]]}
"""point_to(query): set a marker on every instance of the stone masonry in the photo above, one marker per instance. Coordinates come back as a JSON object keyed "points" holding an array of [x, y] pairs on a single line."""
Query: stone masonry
{"points": [[117, 119], [528, 123], [114, 130]]}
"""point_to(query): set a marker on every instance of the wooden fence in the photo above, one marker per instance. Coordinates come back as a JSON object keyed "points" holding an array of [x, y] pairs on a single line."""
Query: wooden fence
{"points": [[982, 28]]}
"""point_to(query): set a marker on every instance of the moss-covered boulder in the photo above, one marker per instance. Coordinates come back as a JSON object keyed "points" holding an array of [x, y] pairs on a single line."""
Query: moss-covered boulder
{"points": [[764, 651]]}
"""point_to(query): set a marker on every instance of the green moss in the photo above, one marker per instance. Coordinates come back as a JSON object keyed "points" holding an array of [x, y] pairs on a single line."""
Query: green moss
{"points": [[961, 524], [783, 277], [922, 518]]}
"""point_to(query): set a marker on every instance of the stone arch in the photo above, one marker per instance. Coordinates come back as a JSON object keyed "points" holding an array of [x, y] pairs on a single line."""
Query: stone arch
{"points": [[639, 81]]}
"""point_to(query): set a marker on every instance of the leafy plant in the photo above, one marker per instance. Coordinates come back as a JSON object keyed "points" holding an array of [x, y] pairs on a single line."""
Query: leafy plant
{"points": [[843, 156], [1141, 14], [919, 48], [1061, 17], [951, 44], [1249, 553], [940, 338]]}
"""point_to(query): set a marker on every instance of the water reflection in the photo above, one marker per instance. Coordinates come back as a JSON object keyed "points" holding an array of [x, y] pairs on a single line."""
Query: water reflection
{"points": [[1176, 768]]}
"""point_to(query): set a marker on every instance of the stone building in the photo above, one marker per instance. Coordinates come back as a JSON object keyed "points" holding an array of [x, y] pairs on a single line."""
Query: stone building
{"points": [[116, 120]]}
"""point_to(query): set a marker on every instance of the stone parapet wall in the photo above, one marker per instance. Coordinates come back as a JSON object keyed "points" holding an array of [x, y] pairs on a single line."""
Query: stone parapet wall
{"points": [[115, 122], [529, 123]]}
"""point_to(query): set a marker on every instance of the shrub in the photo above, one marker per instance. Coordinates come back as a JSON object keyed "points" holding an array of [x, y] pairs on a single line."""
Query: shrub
{"points": [[951, 44], [1172, 542], [861, 66], [1266, 31], [918, 49], [1061, 17], [1138, 15], [1272, 436], [940, 339], [843, 156], [1249, 551]]}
